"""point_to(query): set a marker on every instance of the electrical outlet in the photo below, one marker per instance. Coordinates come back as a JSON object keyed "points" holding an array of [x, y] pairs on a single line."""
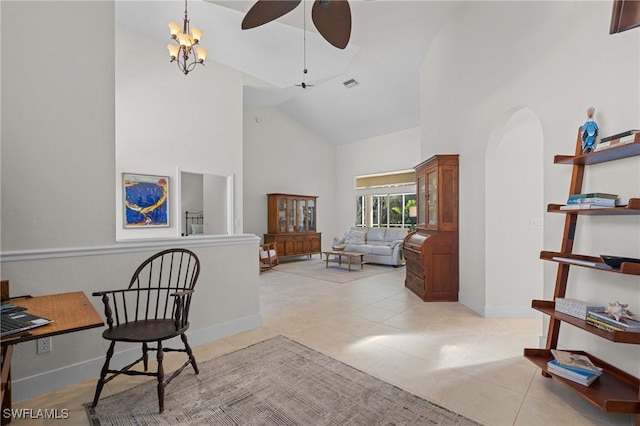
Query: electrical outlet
{"points": [[44, 345]]}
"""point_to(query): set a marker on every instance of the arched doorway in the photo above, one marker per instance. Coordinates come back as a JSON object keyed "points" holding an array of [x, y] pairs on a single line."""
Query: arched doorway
{"points": [[514, 210]]}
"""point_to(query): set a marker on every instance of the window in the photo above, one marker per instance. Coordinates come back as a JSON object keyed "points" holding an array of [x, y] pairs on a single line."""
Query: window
{"points": [[387, 210]]}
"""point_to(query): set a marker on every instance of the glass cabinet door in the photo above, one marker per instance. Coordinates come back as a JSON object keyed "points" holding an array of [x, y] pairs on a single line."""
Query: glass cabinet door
{"points": [[302, 217], [292, 215], [422, 199], [432, 198], [311, 207], [282, 214]]}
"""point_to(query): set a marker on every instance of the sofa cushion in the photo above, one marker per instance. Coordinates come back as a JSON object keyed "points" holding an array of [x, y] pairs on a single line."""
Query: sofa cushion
{"points": [[376, 234], [395, 234], [360, 248], [355, 236], [378, 243], [381, 250]]}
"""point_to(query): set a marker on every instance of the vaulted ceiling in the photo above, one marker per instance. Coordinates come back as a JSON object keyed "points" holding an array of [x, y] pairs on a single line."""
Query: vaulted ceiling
{"points": [[388, 42]]}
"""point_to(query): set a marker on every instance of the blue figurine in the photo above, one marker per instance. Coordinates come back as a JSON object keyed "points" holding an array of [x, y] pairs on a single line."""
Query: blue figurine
{"points": [[589, 132]]}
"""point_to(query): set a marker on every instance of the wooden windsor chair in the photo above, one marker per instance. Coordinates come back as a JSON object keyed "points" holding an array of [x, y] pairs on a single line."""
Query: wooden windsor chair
{"points": [[155, 307]]}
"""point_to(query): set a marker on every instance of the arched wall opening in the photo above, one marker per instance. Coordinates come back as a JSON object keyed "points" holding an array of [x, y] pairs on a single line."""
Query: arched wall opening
{"points": [[514, 215]]}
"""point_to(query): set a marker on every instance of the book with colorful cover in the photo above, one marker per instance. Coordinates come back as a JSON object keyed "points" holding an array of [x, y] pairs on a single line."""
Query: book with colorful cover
{"points": [[602, 325], [626, 324], [609, 202], [582, 378], [576, 361]]}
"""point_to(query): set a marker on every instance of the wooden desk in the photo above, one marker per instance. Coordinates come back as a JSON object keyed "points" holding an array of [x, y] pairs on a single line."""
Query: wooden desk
{"points": [[69, 312]]}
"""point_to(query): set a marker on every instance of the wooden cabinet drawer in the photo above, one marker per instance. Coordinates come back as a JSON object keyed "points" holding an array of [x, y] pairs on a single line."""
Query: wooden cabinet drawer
{"points": [[415, 269]]}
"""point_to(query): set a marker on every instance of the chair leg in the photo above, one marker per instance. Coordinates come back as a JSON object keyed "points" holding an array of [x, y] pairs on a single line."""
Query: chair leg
{"points": [[190, 353], [160, 377], [103, 373], [145, 355]]}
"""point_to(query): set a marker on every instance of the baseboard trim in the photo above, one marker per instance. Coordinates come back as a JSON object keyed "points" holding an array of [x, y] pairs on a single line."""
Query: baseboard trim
{"points": [[49, 381]]}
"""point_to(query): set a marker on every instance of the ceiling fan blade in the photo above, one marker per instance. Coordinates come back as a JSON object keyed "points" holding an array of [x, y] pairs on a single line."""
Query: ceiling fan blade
{"points": [[332, 18], [266, 11]]}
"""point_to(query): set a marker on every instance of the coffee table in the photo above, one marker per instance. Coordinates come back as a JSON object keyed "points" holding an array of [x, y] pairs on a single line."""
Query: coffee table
{"points": [[349, 255]]}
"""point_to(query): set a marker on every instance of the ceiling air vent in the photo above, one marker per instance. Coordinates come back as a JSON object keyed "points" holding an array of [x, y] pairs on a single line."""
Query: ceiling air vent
{"points": [[350, 84]]}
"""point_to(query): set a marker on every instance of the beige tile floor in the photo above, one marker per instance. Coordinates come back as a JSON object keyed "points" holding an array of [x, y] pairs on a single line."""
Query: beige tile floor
{"points": [[440, 351]]}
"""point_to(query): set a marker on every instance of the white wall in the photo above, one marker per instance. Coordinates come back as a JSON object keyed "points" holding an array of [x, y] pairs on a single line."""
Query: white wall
{"points": [[282, 155], [166, 121], [58, 126], [385, 153], [555, 58], [215, 204], [58, 186]]}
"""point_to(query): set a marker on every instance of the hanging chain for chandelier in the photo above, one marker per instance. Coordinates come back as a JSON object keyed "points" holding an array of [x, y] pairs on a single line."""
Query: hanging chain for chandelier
{"points": [[185, 54], [304, 47]]}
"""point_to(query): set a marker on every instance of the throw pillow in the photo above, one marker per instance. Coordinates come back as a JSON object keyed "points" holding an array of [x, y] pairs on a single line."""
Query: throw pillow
{"points": [[355, 237], [196, 229]]}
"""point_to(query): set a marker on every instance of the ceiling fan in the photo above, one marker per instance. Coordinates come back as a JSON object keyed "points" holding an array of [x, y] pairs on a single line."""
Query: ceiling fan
{"points": [[332, 18]]}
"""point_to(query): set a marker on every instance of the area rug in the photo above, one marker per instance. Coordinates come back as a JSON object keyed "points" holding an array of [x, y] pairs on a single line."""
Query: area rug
{"points": [[275, 382], [314, 268]]}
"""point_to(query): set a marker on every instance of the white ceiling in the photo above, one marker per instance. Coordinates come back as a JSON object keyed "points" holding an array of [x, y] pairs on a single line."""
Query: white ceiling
{"points": [[388, 42]]}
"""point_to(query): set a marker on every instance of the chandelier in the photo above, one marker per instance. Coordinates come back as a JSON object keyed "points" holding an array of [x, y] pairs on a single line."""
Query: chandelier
{"points": [[186, 54]]}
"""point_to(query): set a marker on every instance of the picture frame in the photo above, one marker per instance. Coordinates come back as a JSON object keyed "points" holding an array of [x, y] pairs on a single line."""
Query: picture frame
{"points": [[145, 201]]}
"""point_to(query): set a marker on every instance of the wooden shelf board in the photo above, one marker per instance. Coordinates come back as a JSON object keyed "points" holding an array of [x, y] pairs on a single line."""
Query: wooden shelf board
{"points": [[549, 308], [611, 154], [632, 209], [614, 391], [626, 268]]}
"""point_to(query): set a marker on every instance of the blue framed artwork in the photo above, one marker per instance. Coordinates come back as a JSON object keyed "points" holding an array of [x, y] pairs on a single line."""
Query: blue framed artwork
{"points": [[146, 201]]}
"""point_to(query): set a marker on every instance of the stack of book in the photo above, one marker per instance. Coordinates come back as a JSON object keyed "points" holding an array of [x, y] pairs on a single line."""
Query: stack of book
{"points": [[604, 322], [630, 136], [575, 367], [594, 200]]}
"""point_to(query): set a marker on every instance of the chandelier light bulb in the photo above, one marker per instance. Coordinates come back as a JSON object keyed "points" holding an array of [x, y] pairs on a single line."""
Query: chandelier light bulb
{"points": [[174, 29], [173, 51], [184, 40], [196, 34], [201, 54]]}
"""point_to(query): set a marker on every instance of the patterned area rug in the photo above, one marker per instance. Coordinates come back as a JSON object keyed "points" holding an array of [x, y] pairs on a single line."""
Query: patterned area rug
{"points": [[315, 268], [275, 382]]}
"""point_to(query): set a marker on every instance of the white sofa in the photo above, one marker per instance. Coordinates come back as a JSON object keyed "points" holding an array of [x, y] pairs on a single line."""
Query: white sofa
{"points": [[380, 245]]}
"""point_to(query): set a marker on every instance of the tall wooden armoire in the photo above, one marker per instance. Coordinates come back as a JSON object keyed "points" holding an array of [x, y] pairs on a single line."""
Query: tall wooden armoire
{"points": [[431, 252], [292, 224]]}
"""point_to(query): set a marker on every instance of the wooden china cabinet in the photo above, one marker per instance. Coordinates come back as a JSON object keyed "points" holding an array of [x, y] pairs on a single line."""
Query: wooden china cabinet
{"points": [[292, 225], [431, 252]]}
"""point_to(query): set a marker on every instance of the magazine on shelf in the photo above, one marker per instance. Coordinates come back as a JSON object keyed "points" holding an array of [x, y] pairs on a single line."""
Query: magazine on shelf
{"points": [[593, 195], [593, 200], [626, 324], [575, 361], [578, 377], [585, 206], [600, 265]]}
